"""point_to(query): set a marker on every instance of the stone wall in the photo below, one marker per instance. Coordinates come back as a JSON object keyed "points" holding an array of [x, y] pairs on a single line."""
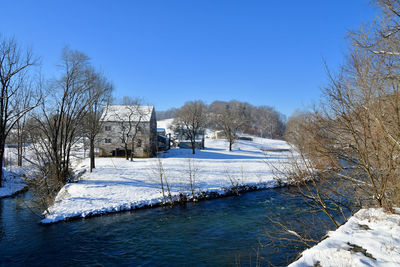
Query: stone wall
{"points": [[110, 140]]}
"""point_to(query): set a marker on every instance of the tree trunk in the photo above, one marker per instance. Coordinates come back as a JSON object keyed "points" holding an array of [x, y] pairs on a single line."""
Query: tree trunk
{"points": [[19, 145], [91, 154], [2, 161], [19, 154], [194, 147], [126, 151], [132, 149], [230, 145], [19, 151]]}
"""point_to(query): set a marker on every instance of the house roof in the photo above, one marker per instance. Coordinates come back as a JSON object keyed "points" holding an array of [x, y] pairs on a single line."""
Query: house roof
{"points": [[127, 113]]}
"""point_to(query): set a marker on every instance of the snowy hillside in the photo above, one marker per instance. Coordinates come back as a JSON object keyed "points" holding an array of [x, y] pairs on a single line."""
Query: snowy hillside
{"points": [[165, 124], [118, 184]]}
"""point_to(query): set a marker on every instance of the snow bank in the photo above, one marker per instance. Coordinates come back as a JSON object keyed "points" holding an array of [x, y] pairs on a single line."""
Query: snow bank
{"points": [[12, 184], [370, 238], [118, 184]]}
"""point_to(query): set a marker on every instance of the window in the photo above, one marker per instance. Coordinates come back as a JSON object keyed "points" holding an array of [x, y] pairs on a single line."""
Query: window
{"points": [[107, 128], [107, 141], [139, 143]]}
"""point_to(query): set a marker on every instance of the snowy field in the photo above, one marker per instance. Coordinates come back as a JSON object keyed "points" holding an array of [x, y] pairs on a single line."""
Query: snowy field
{"points": [[118, 184], [370, 238]]}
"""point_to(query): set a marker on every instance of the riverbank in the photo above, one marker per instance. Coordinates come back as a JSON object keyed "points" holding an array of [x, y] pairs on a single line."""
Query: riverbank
{"points": [[12, 184], [118, 184], [369, 238]]}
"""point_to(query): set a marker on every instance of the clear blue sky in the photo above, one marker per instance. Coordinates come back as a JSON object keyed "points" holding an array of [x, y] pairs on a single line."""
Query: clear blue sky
{"points": [[168, 52]]}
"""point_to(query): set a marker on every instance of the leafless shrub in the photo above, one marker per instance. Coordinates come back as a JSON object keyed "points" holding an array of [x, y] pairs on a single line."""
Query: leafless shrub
{"points": [[294, 234], [159, 171], [236, 181], [44, 185], [192, 173]]}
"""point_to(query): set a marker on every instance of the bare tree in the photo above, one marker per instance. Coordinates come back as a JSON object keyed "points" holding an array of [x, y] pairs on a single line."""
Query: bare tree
{"points": [[191, 120], [160, 172], [230, 118], [348, 146], [131, 119], [192, 172], [355, 133], [351, 141], [99, 92], [364, 115], [60, 119], [141, 113], [26, 98], [14, 67]]}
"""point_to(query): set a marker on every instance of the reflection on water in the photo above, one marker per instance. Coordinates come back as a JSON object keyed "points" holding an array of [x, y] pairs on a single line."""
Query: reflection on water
{"points": [[216, 232]]}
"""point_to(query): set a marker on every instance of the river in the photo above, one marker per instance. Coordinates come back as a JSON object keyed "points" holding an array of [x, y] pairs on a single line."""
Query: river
{"points": [[220, 232]]}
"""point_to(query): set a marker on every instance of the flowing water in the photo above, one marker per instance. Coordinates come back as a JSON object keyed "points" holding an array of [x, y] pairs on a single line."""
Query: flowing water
{"points": [[221, 232]]}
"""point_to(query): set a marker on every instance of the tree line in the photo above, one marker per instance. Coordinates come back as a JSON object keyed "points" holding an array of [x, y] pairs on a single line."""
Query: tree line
{"points": [[51, 115], [231, 118]]}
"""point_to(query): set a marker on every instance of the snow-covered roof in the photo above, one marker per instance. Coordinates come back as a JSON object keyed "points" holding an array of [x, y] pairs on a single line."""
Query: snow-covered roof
{"points": [[127, 113]]}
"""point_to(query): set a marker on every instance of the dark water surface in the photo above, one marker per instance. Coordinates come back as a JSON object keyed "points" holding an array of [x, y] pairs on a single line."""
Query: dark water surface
{"points": [[220, 232]]}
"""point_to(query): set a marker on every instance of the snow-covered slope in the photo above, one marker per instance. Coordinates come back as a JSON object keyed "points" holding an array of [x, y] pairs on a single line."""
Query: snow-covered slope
{"points": [[165, 124], [370, 238], [118, 184]]}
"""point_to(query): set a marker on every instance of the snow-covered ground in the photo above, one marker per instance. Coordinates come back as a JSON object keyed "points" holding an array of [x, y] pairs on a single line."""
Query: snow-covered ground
{"points": [[118, 184], [370, 238], [11, 184]]}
